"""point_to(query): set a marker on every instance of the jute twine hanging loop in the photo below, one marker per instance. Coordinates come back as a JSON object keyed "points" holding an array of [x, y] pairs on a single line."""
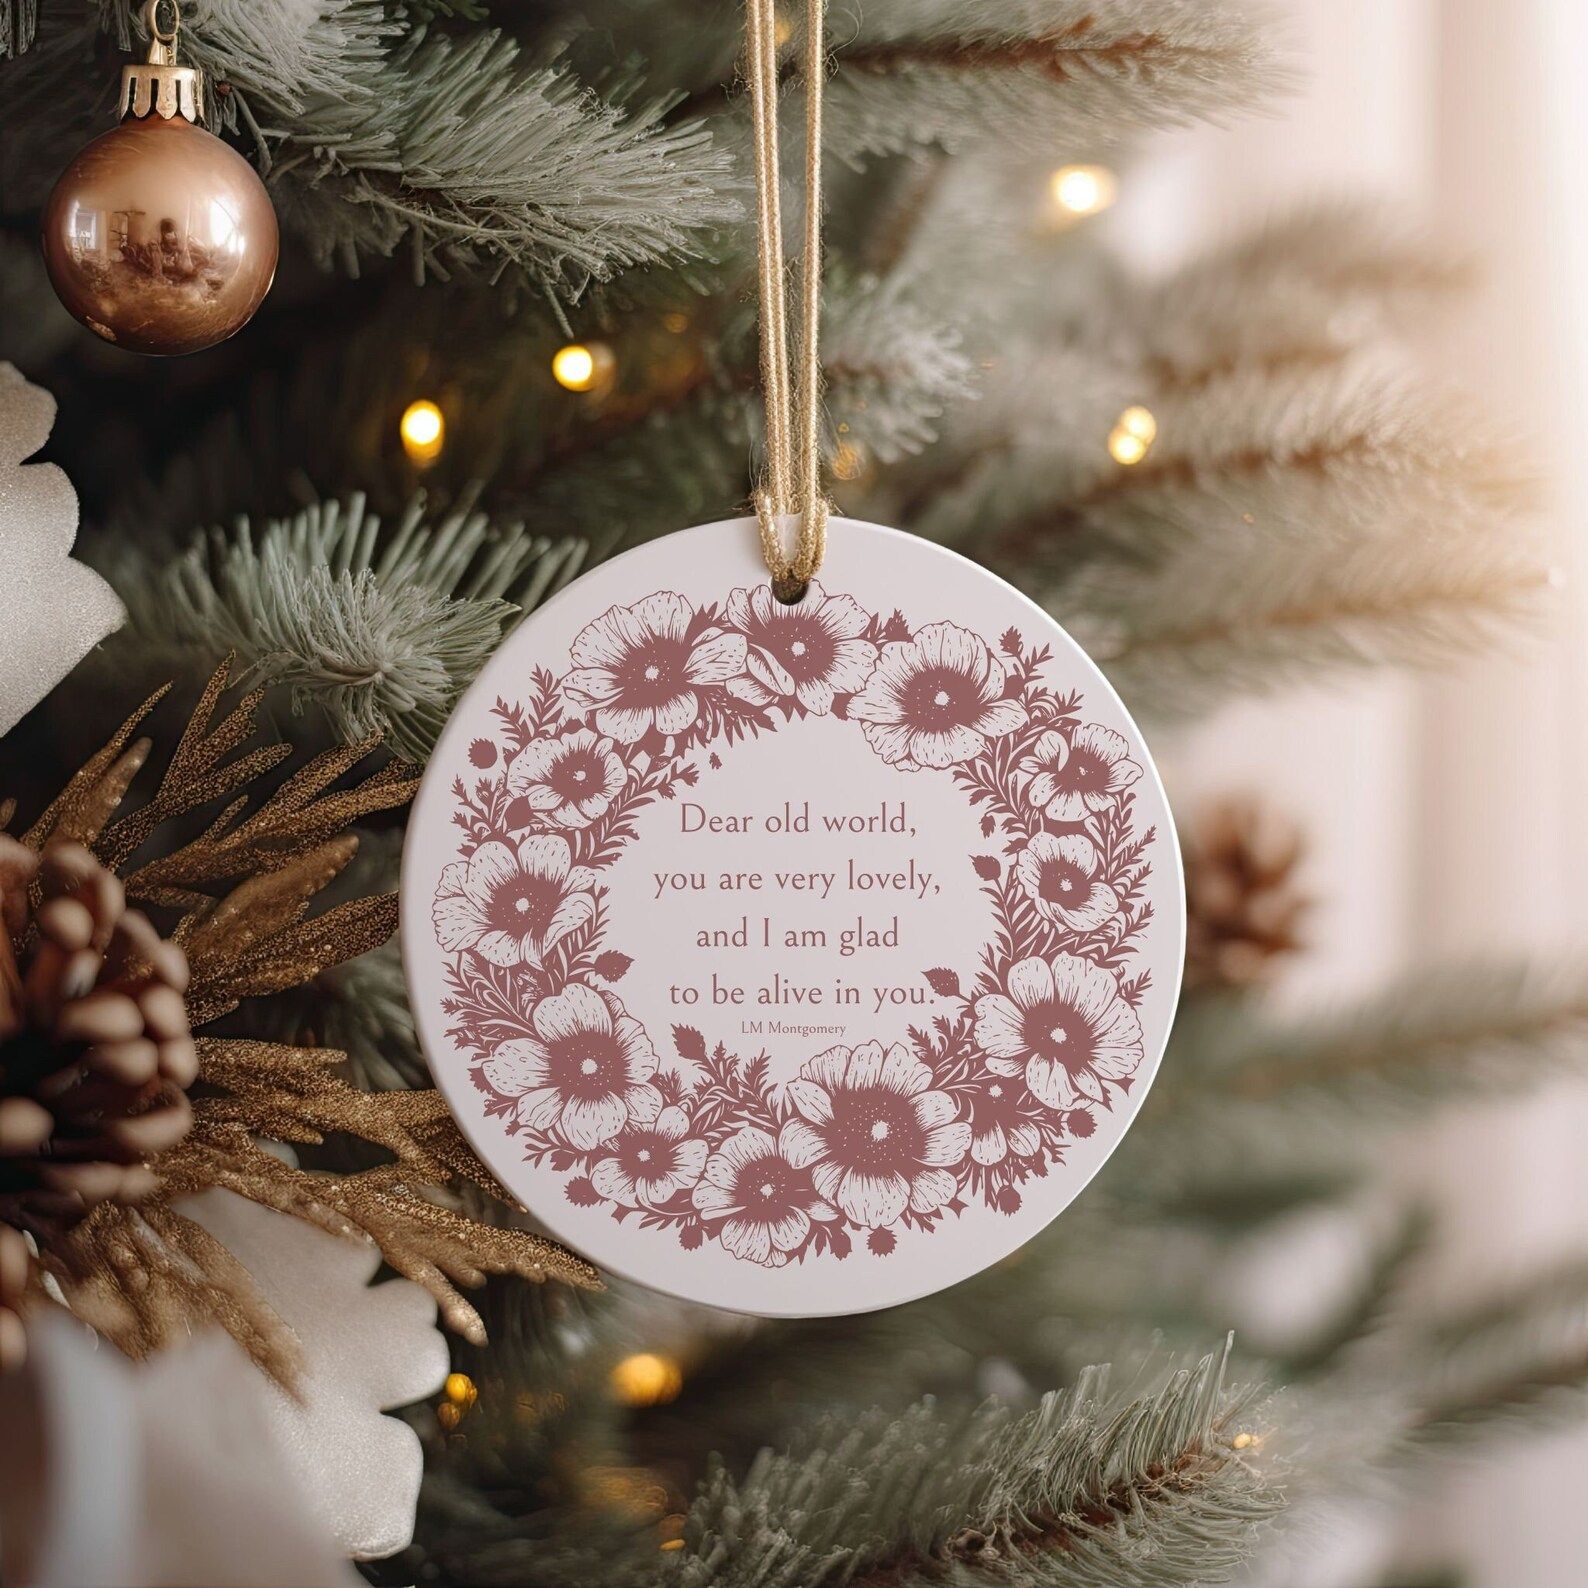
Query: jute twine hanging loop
{"points": [[792, 480]]}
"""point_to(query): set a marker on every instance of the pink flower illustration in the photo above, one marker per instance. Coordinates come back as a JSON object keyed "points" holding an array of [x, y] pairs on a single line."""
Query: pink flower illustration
{"points": [[637, 668], [651, 1163], [1071, 778], [809, 652], [936, 700], [570, 780], [584, 1074], [874, 1133], [998, 1127], [765, 1203], [512, 905], [1065, 1025], [1059, 874]]}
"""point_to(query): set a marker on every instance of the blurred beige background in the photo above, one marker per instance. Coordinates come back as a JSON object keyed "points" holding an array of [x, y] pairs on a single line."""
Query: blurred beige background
{"points": [[1447, 815]]}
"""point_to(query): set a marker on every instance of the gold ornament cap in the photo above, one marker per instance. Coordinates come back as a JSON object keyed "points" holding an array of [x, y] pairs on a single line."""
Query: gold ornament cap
{"points": [[159, 86]]}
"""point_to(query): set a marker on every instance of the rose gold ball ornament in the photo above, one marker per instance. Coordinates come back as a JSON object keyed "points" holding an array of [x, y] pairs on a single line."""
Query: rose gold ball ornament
{"points": [[159, 237]]}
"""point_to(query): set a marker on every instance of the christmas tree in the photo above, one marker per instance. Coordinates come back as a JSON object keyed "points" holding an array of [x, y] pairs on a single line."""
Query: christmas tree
{"points": [[513, 332]]}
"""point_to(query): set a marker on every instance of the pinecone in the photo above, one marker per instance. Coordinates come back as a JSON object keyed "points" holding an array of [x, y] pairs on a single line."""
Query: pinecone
{"points": [[95, 1055], [1243, 907]]}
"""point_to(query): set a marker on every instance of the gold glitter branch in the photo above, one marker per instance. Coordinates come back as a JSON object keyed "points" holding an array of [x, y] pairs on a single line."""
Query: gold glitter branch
{"points": [[242, 884]]}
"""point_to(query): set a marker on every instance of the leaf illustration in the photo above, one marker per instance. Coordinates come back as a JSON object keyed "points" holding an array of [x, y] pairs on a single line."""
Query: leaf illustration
{"points": [[943, 982], [987, 868], [612, 966], [690, 1044]]}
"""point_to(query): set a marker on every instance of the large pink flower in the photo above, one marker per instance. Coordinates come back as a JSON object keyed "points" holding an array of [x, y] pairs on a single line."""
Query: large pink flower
{"points": [[585, 1073], [874, 1133], [1065, 1025], [808, 652], [1059, 874], [512, 905], [936, 700], [1086, 772], [651, 1163], [765, 1203], [570, 780], [638, 668]]}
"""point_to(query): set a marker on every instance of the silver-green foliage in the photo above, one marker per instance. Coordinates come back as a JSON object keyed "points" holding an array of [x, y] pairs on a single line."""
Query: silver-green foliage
{"points": [[956, 73], [1452, 1033], [1086, 1490], [1309, 500], [381, 132], [380, 630]]}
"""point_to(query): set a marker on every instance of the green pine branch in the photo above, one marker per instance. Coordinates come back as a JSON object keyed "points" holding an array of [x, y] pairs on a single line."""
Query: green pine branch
{"points": [[379, 132], [498, 167], [1306, 502], [1086, 1489], [958, 73], [1515, 1358], [1254, 1116], [1449, 1034], [378, 629], [1364, 1311]]}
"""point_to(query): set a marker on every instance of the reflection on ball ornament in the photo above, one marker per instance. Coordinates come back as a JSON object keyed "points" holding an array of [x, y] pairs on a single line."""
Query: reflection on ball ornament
{"points": [[159, 237]]}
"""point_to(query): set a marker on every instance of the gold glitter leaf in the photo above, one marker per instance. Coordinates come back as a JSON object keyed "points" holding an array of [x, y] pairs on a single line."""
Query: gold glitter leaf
{"points": [[243, 883]]}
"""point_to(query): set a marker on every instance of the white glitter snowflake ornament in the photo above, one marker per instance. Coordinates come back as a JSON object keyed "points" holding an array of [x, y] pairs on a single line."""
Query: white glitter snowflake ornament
{"points": [[366, 1348], [52, 610]]}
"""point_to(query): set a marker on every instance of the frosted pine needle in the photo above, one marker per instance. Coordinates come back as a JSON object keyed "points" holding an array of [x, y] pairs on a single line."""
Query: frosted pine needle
{"points": [[379, 629]]}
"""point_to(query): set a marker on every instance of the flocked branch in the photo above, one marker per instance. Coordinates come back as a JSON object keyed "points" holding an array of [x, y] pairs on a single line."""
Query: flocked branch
{"points": [[379, 628], [1086, 1489]]}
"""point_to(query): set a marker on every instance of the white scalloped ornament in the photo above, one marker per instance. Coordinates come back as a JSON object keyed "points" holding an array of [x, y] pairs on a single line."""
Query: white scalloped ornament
{"points": [[366, 1349], [53, 610], [121, 1474]]}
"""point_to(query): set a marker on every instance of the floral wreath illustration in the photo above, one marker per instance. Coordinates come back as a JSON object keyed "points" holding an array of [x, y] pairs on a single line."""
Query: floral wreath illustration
{"points": [[869, 1140]]}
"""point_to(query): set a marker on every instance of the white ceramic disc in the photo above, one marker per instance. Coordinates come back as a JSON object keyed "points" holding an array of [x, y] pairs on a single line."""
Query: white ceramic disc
{"points": [[793, 959]]}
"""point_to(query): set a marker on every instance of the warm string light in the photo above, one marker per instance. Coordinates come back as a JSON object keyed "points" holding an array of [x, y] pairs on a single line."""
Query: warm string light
{"points": [[1133, 435], [1080, 190], [461, 1394], [582, 366], [646, 1379], [423, 430], [848, 461]]}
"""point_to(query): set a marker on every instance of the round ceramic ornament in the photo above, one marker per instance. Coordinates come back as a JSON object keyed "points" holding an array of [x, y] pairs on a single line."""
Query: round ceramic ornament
{"points": [[797, 959]]}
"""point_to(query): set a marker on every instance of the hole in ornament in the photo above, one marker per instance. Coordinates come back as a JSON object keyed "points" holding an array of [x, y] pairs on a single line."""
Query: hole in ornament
{"points": [[163, 19], [789, 590]]}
